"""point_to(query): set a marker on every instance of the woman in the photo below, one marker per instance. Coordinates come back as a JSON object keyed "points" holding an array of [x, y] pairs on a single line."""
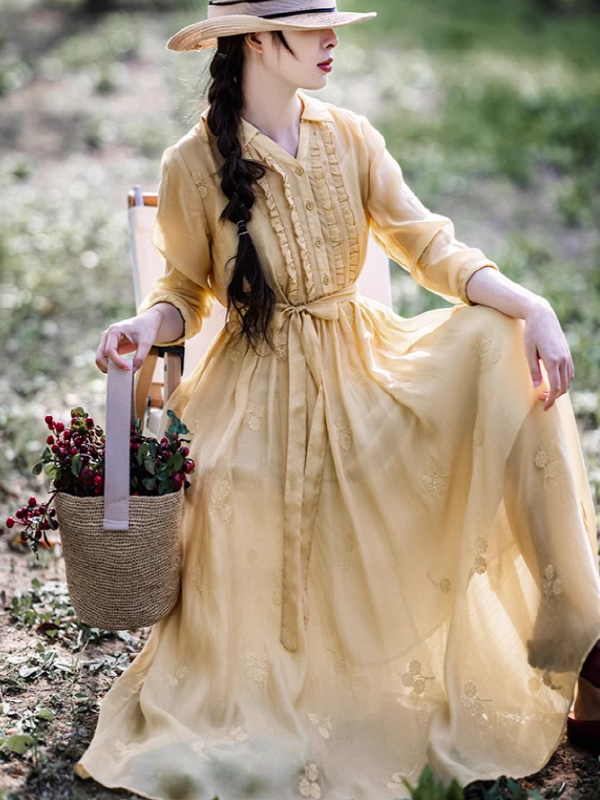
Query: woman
{"points": [[389, 544]]}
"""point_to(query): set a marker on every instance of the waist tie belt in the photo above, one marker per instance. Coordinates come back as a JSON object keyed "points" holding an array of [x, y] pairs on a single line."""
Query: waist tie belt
{"points": [[304, 461]]}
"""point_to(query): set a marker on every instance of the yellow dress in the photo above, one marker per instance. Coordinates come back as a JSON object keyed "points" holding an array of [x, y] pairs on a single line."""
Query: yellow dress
{"points": [[389, 547]]}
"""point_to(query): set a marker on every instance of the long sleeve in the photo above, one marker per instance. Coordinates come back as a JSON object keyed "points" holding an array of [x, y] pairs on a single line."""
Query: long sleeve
{"points": [[180, 234], [417, 239]]}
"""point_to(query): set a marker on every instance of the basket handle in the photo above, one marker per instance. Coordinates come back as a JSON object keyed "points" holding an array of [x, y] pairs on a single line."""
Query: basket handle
{"points": [[119, 417]]}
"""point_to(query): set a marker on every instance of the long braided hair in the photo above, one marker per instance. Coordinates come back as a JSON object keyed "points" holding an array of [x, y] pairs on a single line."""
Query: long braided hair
{"points": [[249, 293]]}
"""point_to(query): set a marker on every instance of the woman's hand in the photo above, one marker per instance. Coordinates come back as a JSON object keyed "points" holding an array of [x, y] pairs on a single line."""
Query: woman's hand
{"points": [[545, 341], [161, 323], [544, 338]]}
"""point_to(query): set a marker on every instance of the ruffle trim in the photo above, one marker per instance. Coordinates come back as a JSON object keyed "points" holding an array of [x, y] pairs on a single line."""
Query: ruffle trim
{"points": [[328, 209], [279, 228], [298, 232], [344, 201]]}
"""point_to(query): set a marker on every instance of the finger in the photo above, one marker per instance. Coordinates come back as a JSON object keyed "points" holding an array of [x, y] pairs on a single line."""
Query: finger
{"points": [[144, 347], [554, 382], [117, 344], [533, 361], [101, 360]]}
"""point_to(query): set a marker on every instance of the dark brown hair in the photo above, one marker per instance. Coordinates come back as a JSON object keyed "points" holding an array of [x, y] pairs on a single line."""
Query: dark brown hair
{"points": [[249, 293]]}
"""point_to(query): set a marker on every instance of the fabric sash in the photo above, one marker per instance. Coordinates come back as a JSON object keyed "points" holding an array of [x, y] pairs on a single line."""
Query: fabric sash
{"points": [[306, 450]]}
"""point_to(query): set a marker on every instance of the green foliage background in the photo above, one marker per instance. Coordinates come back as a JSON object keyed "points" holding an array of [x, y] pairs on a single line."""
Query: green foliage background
{"points": [[493, 110]]}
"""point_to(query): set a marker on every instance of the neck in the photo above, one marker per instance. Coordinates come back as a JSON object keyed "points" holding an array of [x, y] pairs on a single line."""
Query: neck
{"points": [[274, 109]]}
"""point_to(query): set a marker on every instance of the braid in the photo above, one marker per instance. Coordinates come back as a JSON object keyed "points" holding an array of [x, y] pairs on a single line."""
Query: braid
{"points": [[248, 292]]}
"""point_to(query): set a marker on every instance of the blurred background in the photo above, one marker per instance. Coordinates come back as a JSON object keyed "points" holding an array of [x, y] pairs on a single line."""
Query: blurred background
{"points": [[492, 109]]}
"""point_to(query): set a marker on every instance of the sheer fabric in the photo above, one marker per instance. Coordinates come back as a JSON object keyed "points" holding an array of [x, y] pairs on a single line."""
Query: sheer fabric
{"points": [[389, 548]]}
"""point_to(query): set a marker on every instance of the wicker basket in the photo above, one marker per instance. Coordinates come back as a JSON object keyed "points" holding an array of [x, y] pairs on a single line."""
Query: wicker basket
{"points": [[122, 553], [121, 580]]}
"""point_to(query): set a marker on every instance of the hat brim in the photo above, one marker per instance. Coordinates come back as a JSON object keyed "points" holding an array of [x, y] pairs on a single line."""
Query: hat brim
{"points": [[202, 35]]}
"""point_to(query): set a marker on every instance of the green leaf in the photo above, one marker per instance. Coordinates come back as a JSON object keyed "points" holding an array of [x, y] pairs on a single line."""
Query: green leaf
{"points": [[37, 470], [150, 466], [175, 463], [76, 464], [162, 473], [142, 453], [52, 471], [19, 743], [166, 487], [149, 483], [45, 713]]}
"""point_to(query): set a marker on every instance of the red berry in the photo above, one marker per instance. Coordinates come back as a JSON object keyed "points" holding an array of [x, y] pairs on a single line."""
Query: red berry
{"points": [[99, 481], [67, 434], [189, 466], [177, 482], [185, 452], [20, 513], [50, 440], [32, 502], [49, 419], [10, 522], [60, 427], [86, 476], [73, 451], [89, 422], [38, 535], [187, 485]]}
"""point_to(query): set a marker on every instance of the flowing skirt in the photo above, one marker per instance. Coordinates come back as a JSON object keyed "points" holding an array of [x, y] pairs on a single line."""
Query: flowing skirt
{"points": [[389, 559]]}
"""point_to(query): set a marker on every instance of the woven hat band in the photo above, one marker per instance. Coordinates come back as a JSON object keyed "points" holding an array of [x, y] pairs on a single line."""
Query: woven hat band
{"points": [[268, 9]]}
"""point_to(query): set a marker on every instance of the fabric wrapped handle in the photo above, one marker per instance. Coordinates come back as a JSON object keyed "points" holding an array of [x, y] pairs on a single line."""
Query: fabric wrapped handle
{"points": [[119, 417]]}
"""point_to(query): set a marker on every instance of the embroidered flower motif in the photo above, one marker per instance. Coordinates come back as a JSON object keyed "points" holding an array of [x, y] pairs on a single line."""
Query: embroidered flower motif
{"points": [[472, 702], [551, 584], [199, 748], [340, 662], [324, 726], [193, 424], [237, 735], [254, 416], [277, 594], [414, 679], [488, 353], [480, 564], [396, 782], [478, 436], [201, 184], [347, 310], [548, 461], [219, 500], [356, 375], [257, 666], [344, 562], [309, 786], [282, 347], [444, 586], [234, 355], [180, 674], [343, 432], [433, 481], [126, 747]]}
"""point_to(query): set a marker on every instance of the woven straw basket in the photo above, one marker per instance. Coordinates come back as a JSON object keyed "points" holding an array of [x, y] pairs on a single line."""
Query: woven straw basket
{"points": [[122, 553], [121, 580]]}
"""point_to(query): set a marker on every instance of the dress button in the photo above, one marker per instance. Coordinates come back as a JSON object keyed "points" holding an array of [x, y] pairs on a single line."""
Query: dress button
{"points": [[318, 242], [310, 205], [326, 280], [299, 171]]}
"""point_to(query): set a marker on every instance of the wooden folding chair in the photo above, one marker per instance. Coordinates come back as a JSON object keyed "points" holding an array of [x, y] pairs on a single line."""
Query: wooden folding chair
{"points": [[156, 383]]}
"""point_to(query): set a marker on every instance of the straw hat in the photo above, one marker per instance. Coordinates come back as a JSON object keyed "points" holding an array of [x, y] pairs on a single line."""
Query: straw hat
{"points": [[228, 18]]}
